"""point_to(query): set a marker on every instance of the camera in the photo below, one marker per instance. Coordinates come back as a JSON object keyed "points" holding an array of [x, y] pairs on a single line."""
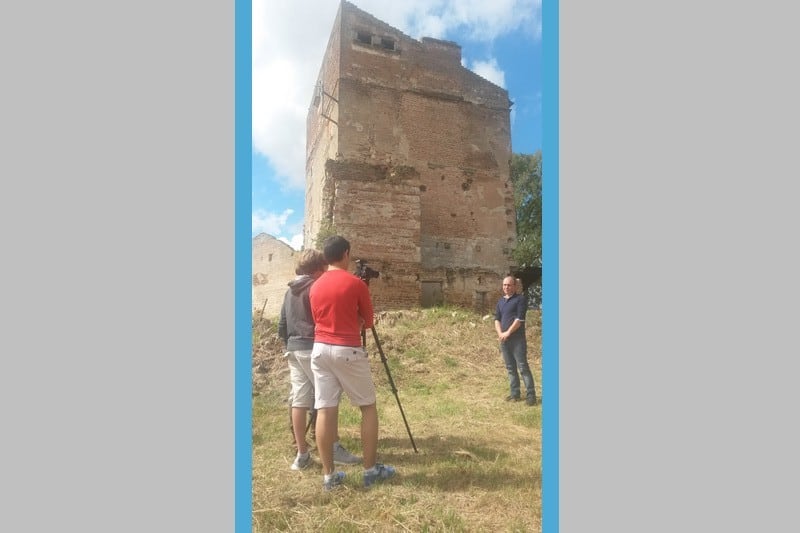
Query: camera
{"points": [[364, 272]]}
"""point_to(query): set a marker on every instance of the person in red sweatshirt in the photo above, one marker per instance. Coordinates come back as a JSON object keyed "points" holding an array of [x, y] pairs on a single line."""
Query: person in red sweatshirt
{"points": [[341, 306]]}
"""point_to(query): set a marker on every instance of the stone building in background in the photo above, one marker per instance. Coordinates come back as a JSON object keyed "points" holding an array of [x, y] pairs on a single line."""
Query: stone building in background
{"points": [[273, 268], [408, 156]]}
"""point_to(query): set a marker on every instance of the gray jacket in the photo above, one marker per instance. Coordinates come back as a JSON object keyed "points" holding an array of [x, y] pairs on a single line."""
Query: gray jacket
{"points": [[296, 325]]}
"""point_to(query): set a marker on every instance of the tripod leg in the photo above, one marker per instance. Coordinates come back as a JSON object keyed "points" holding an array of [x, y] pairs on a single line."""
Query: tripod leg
{"points": [[394, 389], [312, 422], [291, 426]]}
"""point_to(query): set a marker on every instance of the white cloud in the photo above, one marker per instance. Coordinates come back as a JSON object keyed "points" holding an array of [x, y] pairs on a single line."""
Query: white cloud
{"points": [[430, 26], [490, 70], [289, 40], [479, 19], [295, 242], [271, 223]]}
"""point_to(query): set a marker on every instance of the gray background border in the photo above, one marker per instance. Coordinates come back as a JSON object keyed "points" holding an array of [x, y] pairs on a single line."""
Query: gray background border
{"points": [[117, 372], [678, 268]]}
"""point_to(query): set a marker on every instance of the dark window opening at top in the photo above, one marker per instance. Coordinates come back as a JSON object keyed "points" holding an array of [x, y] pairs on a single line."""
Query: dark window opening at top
{"points": [[388, 44], [364, 37]]}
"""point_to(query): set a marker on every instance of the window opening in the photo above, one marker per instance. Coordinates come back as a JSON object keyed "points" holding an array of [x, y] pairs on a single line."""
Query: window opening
{"points": [[364, 37]]}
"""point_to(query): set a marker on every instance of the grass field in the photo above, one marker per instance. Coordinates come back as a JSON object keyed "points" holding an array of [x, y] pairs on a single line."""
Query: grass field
{"points": [[478, 465]]}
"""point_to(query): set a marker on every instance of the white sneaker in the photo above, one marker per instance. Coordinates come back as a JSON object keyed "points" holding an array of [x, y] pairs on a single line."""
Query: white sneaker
{"points": [[342, 457], [301, 462]]}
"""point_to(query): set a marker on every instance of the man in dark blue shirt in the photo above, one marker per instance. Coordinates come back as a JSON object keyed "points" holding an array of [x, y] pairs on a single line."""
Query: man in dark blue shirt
{"points": [[509, 322]]}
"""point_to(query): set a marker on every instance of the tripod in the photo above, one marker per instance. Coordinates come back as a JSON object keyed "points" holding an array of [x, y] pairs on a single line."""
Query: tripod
{"points": [[391, 381], [366, 273]]}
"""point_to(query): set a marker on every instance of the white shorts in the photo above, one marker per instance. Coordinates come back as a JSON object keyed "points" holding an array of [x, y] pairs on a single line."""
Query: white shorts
{"points": [[341, 368], [301, 377]]}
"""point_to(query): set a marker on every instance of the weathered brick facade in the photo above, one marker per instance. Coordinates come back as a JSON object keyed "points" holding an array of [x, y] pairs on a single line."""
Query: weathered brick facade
{"points": [[408, 157]]}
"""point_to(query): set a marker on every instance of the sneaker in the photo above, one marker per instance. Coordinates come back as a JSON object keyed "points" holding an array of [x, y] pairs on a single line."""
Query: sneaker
{"points": [[301, 462], [336, 480], [512, 398], [378, 473], [531, 400], [342, 457]]}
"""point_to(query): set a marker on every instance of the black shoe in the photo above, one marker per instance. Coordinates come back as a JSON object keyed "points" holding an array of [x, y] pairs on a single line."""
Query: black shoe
{"points": [[531, 401], [512, 398]]}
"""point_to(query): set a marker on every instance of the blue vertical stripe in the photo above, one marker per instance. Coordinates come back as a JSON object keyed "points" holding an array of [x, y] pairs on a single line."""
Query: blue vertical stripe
{"points": [[243, 266], [550, 266]]}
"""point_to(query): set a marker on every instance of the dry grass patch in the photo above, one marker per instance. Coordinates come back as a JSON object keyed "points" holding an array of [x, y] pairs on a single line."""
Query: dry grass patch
{"points": [[479, 462]]}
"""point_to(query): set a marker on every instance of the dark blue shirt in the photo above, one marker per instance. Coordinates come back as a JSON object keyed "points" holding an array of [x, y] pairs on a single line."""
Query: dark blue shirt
{"points": [[510, 309]]}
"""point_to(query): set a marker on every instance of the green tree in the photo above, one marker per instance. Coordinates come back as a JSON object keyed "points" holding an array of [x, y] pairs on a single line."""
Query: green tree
{"points": [[526, 177]]}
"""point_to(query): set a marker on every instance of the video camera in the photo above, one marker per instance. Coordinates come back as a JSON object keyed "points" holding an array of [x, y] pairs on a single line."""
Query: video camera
{"points": [[364, 272]]}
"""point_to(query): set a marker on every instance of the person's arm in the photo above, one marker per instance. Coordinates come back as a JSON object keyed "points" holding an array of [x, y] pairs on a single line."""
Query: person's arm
{"points": [[522, 308], [498, 326], [365, 308], [514, 327], [283, 332]]}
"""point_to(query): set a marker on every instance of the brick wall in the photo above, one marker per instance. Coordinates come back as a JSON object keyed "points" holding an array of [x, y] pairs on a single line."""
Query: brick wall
{"points": [[322, 139], [415, 172], [377, 209]]}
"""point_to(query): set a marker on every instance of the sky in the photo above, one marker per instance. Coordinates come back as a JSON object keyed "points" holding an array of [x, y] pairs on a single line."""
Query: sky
{"points": [[500, 40]]}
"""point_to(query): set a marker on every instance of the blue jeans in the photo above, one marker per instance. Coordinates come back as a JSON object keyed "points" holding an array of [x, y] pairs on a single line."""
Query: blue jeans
{"points": [[515, 356]]}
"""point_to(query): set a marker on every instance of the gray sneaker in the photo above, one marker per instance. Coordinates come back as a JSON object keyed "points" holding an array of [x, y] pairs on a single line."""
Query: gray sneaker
{"points": [[300, 462], [342, 457]]}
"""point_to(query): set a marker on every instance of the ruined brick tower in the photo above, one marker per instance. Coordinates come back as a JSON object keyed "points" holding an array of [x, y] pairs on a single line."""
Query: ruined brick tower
{"points": [[408, 157]]}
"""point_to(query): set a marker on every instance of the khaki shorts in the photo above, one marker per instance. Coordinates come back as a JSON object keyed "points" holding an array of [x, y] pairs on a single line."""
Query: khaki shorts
{"points": [[301, 377], [341, 368]]}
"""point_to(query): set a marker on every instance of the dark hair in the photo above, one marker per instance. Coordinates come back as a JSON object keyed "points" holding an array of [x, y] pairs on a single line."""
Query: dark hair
{"points": [[334, 248], [310, 261]]}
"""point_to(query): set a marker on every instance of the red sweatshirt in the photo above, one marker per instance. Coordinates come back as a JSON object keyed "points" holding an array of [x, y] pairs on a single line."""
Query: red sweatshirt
{"points": [[339, 303]]}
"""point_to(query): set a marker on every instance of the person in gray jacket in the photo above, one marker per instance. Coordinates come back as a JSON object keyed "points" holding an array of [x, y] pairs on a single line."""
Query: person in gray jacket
{"points": [[296, 329]]}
